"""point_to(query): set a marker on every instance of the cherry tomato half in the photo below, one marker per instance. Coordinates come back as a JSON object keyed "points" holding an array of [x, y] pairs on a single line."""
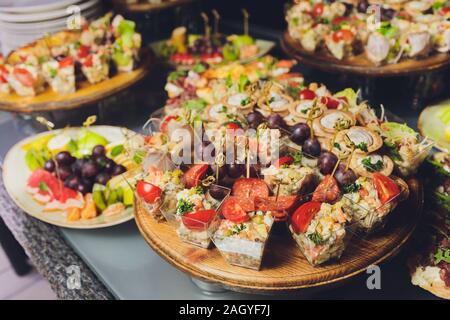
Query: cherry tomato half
{"points": [[198, 220], [83, 51], [165, 122], [330, 102], [386, 188], [235, 209], [303, 215], [89, 61], [149, 192], [66, 62], [317, 10]]}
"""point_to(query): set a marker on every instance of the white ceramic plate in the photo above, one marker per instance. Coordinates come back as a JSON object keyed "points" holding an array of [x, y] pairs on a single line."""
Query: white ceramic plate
{"points": [[46, 15], [29, 6], [16, 173]]}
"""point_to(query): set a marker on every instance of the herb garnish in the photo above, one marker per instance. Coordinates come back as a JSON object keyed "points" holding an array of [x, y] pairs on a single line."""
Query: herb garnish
{"points": [[245, 101], [315, 237], [442, 256], [372, 167], [351, 187], [184, 206], [117, 150], [237, 228], [297, 156], [337, 145], [43, 186], [362, 146], [393, 152]]}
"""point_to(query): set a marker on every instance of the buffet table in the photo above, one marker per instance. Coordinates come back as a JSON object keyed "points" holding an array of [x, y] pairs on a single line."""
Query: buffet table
{"points": [[116, 262]]}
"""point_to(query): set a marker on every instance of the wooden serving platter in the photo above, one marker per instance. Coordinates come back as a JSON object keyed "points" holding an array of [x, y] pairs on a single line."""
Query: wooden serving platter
{"points": [[284, 268], [143, 6], [85, 94], [359, 64]]}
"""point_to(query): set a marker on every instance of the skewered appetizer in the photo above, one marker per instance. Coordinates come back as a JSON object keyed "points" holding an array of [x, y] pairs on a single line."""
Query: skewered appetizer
{"points": [[343, 29], [62, 58]]}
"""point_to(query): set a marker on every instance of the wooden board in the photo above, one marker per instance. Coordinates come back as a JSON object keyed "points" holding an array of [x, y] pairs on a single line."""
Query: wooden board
{"points": [[360, 64], [284, 267], [85, 94], [143, 6]]}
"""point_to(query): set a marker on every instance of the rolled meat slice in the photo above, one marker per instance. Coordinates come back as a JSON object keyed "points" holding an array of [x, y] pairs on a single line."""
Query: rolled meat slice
{"points": [[377, 48], [420, 43]]}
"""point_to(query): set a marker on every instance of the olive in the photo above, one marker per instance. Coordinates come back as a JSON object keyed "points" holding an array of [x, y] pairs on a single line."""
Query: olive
{"points": [[218, 192], [326, 163], [312, 147], [254, 119], [64, 158], [63, 172], [49, 165], [235, 170], [387, 14], [89, 169], [98, 151], [299, 133], [102, 178], [118, 169], [343, 176], [72, 182]]}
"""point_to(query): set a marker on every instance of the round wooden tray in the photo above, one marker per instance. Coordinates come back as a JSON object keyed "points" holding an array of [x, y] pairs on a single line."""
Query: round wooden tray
{"points": [[147, 6], [85, 94], [360, 64], [284, 268]]}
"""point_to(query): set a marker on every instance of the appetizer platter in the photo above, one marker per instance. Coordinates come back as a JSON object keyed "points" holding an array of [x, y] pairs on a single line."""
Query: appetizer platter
{"points": [[429, 262], [368, 38], [434, 123], [148, 6], [74, 177], [73, 68], [340, 193], [183, 49]]}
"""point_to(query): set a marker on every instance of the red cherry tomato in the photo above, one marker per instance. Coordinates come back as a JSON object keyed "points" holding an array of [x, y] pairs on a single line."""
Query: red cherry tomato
{"points": [[3, 73], [66, 62], [343, 34], [317, 10], [330, 102], [444, 10], [89, 62], [307, 94], [386, 188], [149, 192], [198, 220], [303, 215], [283, 160], [233, 126], [339, 20], [83, 51], [193, 176], [165, 122], [327, 191], [250, 188], [233, 209], [23, 76]]}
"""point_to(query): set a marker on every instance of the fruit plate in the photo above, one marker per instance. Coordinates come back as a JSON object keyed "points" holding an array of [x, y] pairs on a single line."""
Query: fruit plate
{"points": [[85, 94], [360, 64], [264, 47], [284, 268], [16, 174], [432, 123]]}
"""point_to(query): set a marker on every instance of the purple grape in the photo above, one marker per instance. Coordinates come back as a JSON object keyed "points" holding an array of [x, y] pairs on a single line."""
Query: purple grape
{"points": [[72, 182], [217, 192], [312, 147], [326, 163], [77, 165], [86, 184], [89, 169], [63, 172], [102, 178], [49, 165], [65, 158], [109, 165], [300, 132], [98, 151], [254, 119], [275, 121], [235, 170], [118, 169], [344, 177]]}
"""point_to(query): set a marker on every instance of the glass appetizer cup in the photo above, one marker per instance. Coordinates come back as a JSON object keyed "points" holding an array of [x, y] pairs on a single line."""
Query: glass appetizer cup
{"points": [[243, 244], [321, 231], [196, 227], [153, 209]]}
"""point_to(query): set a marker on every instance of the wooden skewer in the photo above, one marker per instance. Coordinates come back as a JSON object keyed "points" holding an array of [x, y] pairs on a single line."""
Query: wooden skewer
{"points": [[90, 121], [216, 21], [206, 22], [246, 17]]}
